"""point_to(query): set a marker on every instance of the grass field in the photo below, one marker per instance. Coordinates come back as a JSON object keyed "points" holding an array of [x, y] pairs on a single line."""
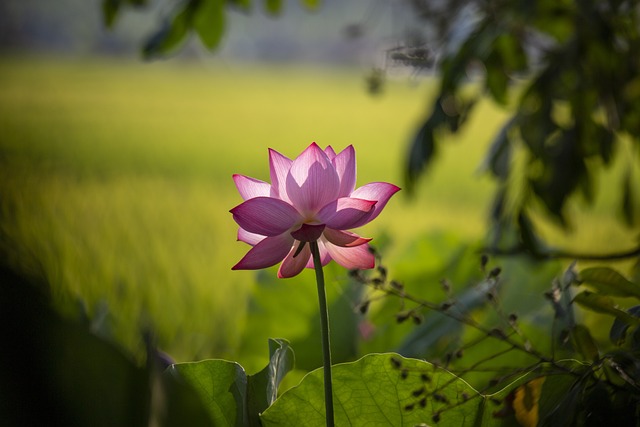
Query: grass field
{"points": [[115, 178]]}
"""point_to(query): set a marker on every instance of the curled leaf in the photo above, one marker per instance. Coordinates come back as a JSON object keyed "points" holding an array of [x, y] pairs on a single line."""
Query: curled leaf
{"points": [[373, 391]]}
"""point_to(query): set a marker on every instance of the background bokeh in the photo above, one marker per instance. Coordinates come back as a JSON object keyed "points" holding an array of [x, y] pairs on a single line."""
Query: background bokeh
{"points": [[115, 173]]}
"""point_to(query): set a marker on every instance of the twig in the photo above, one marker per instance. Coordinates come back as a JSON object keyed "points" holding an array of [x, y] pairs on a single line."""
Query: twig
{"points": [[560, 254]]}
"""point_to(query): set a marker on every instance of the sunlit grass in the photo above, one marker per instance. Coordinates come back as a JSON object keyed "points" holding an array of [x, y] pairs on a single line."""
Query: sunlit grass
{"points": [[116, 178]]}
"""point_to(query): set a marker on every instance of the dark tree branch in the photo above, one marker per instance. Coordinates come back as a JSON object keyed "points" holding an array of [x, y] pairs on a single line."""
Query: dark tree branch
{"points": [[561, 254]]}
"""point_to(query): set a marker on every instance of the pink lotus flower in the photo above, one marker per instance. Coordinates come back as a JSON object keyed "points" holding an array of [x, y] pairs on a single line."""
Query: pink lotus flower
{"points": [[311, 198]]}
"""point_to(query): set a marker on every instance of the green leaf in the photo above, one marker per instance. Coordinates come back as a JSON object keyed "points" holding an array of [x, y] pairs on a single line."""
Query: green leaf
{"points": [[209, 22], [380, 390], [496, 81], [584, 343], [603, 304], [110, 10], [244, 5], [311, 4], [564, 168], [596, 302], [528, 235], [499, 156], [422, 152], [231, 397], [263, 386], [513, 56], [181, 404], [555, 19], [609, 282], [621, 368], [559, 400], [221, 385], [477, 46], [169, 36], [627, 200], [599, 409], [449, 113], [273, 7], [618, 331], [545, 393]]}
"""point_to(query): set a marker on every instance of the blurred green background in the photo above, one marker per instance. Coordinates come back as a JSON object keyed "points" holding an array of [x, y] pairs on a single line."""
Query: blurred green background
{"points": [[115, 178]]}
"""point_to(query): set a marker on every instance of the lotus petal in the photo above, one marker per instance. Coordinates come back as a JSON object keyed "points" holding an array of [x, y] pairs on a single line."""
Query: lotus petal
{"points": [[266, 215], [345, 164], [312, 181], [343, 239], [279, 166], [310, 199], [250, 238], [293, 265], [329, 151], [345, 212], [324, 255], [266, 253], [381, 192], [358, 257], [251, 187], [308, 232]]}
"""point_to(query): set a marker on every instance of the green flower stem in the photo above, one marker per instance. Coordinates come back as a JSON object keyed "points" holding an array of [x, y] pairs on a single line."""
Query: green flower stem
{"points": [[324, 322]]}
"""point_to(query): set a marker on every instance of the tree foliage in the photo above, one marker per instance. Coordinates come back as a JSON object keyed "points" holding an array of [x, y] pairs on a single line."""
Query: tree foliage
{"points": [[205, 18], [569, 71], [82, 379]]}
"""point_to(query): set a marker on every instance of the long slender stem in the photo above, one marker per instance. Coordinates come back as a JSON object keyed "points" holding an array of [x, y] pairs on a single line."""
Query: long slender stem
{"points": [[324, 323]]}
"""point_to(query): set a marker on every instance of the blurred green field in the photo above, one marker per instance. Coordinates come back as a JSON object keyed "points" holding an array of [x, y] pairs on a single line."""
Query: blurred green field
{"points": [[115, 180]]}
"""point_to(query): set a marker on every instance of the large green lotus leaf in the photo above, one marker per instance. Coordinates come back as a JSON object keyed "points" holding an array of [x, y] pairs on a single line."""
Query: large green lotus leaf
{"points": [[381, 390], [222, 387], [231, 397]]}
